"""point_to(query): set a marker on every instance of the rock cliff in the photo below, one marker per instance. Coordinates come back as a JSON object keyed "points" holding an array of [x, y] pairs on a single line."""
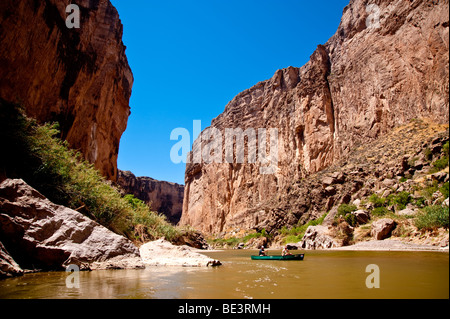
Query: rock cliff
{"points": [[163, 197], [78, 77], [382, 68]]}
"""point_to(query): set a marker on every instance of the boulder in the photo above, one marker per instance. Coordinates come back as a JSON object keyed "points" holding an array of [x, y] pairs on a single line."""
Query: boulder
{"points": [[328, 180], [42, 235], [329, 219], [440, 177], [407, 212], [382, 229], [318, 237], [163, 253], [362, 216]]}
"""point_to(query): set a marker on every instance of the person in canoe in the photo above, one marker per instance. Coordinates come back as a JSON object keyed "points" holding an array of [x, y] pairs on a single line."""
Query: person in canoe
{"points": [[286, 251], [262, 252]]}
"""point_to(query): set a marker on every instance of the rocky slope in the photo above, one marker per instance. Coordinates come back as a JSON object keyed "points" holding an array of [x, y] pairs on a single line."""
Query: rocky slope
{"points": [[36, 234], [78, 77], [163, 197], [365, 81]]}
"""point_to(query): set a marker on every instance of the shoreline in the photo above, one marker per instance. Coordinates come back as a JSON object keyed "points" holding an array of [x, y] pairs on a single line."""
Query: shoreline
{"points": [[372, 245], [391, 245]]}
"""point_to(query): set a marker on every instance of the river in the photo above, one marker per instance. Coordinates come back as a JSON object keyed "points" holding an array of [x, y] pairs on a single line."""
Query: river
{"points": [[322, 274]]}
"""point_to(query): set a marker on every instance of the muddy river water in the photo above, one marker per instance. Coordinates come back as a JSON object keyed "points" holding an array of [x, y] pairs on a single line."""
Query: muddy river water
{"points": [[322, 274]]}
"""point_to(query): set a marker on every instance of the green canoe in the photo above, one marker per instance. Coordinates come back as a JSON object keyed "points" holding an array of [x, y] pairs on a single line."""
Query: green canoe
{"points": [[289, 257]]}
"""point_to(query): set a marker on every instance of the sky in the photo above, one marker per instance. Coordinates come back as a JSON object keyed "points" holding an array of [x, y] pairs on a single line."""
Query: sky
{"points": [[190, 58]]}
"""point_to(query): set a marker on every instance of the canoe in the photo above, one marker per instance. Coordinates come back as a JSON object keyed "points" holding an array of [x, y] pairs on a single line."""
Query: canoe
{"points": [[289, 257]]}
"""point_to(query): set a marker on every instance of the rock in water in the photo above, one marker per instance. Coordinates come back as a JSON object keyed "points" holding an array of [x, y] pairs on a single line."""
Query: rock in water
{"points": [[162, 253], [39, 234]]}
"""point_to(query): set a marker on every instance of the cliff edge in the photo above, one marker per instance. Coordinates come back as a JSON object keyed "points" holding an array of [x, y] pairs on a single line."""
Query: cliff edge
{"points": [[79, 77]]}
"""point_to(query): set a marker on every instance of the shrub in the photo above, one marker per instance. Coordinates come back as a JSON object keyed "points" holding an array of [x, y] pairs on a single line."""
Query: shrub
{"points": [[428, 154], [377, 201], [401, 199], [380, 211], [345, 209], [440, 164], [444, 190], [432, 217], [445, 148], [296, 234]]}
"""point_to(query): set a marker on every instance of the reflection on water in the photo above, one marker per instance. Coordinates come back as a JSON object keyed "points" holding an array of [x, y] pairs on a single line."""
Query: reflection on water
{"points": [[323, 274]]}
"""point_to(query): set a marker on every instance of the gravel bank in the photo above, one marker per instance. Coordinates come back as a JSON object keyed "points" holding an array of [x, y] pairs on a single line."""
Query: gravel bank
{"points": [[392, 245]]}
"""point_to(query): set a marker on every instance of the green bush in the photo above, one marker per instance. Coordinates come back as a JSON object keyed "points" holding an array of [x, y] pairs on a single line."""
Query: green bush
{"points": [[445, 148], [432, 217], [400, 200], [295, 234], [380, 211], [428, 154], [444, 190], [345, 209], [377, 201], [440, 164]]}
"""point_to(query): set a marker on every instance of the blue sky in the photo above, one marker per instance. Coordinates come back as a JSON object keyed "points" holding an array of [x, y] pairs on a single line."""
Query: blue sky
{"points": [[190, 58]]}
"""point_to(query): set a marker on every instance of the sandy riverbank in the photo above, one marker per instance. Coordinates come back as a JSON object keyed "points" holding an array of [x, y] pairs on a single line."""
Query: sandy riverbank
{"points": [[391, 245]]}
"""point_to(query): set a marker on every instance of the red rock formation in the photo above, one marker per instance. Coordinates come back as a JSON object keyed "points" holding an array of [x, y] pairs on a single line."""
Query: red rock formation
{"points": [[78, 77], [366, 80]]}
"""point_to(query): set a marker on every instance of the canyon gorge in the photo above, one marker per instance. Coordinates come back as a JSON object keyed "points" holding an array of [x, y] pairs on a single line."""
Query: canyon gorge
{"points": [[365, 81]]}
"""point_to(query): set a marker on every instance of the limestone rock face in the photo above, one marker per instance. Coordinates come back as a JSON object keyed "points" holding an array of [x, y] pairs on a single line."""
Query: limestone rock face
{"points": [[365, 81], [78, 77], [163, 197], [41, 235]]}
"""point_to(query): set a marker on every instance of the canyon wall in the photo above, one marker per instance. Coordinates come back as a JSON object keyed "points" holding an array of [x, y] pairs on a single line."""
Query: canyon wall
{"points": [[78, 77], [375, 73], [164, 197]]}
